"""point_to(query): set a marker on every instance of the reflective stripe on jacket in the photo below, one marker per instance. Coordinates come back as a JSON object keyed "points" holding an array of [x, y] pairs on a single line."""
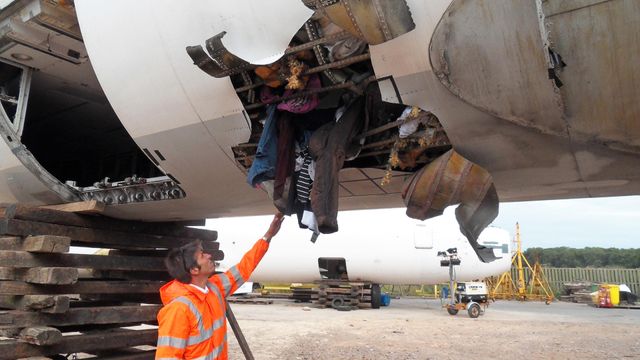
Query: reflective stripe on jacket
{"points": [[192, 325]]}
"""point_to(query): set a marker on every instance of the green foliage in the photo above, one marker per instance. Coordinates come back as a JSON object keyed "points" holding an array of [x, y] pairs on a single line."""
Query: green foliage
{"points": [[591, 257]]}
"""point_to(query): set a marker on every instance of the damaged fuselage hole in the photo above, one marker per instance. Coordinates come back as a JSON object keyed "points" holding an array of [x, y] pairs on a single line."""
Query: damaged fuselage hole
{"points": [[323, 72]]}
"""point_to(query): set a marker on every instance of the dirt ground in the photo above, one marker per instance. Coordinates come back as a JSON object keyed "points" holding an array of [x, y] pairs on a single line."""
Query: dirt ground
{"points": [[420, 329]]}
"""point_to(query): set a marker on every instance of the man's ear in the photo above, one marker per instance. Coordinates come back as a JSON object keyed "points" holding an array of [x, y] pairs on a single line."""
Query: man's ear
{"points": [[194, 271]]}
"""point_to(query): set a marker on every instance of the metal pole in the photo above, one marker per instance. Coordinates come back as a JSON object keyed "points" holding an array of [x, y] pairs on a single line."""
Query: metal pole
{"points": [[238, 333]]}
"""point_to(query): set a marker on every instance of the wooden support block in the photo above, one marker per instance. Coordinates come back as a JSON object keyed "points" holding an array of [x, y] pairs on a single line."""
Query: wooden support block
{"points": [[10, 243], [173, 229], [81, 316], [12, 350], [51, 275], [98, 262], [81, 207], [7, 273], [81, 287], [41, 335], [91, 236], [45, 303], [47, 244]]}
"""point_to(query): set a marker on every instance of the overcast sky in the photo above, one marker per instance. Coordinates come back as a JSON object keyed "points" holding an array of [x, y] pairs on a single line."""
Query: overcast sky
{"points": [[599, 222]]}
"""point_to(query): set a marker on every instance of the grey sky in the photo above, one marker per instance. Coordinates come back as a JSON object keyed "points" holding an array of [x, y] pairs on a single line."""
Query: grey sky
{"points": [[598, 222]]}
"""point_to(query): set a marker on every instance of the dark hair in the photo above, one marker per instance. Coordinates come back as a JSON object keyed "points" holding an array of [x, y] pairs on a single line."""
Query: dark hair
{"points": [[180, 261]]}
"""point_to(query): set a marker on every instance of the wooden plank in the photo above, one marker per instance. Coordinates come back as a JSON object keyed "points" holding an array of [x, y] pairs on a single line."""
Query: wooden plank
{"points": [[123, 275], [81, 316], [7, 273], [44, 303], [98, 262], [12, 349], [51, 275], [41, 335], [177, 229], [149, 298], [89, 237], [81, 207], [81, 287], [46, 244]]}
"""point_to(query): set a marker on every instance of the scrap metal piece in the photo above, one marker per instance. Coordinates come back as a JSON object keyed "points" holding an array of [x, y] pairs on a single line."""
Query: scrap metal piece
{"points": [[375, 21], [220, 62], [451, 179]]}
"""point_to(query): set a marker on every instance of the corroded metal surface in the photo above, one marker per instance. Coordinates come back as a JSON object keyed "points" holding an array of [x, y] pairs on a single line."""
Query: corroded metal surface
{"points": [[375, 21], [221, 62], [449, 180]]}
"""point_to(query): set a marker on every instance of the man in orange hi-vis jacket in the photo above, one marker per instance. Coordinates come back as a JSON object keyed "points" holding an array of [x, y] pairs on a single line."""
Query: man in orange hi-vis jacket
{"points": [[192, 323]]}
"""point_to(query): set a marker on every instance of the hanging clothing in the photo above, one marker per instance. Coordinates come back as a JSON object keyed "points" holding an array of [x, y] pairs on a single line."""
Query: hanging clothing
{"points": [[264, 163], [303, 185], [192, 324], [302, 104], [328, 146]]}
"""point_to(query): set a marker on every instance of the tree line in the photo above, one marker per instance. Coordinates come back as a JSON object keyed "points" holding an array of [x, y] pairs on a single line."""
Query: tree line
{"points": [[588, 257]]}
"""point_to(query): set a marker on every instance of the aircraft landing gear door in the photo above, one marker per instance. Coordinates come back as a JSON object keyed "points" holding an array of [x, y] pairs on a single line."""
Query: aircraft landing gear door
{"points": [[423, 236], [333, 268]]}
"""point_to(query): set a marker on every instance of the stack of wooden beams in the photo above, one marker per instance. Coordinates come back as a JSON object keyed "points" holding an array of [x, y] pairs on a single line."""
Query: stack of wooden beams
{"points": [[104, 304], [342, 294]]}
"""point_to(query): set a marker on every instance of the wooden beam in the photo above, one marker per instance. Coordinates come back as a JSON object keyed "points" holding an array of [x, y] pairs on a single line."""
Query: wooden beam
{"points": [[50, 275], [46, 244], [41, 243], [89, 237], [96, 262], [81, 287], [40, 335], [81, 207], [12, 349], [81, 316], [44, 303], [175, 229]]}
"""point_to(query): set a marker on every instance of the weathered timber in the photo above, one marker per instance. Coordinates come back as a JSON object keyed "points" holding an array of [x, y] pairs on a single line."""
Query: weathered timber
{"points": [[41, 335], [90, 237], [176, 229], [80, 316], [149, 298], [41, 243], [7, 273], [81, 287], [50, 275], [44, 303], [206, 245], [46, 243], [123, 275], [98, 262], [81, 207], [12, 349]]}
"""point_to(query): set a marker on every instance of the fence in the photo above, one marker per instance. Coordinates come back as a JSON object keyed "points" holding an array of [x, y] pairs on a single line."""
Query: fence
{"points": [[558, 276], [555, 276]]}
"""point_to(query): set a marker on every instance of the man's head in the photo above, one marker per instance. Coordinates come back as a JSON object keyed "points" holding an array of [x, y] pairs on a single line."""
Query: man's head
{"points": [[189, 261]]}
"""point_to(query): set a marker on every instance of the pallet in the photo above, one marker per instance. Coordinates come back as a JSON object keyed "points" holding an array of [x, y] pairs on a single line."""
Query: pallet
{"points": [[255, 301], [46, 292]]}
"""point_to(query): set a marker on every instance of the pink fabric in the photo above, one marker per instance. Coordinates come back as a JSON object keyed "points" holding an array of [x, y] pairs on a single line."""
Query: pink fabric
{"points": [[304, 104]]}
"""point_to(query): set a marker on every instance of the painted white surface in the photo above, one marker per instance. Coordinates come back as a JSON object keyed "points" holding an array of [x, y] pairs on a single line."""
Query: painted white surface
{"points": [[382, 252]]}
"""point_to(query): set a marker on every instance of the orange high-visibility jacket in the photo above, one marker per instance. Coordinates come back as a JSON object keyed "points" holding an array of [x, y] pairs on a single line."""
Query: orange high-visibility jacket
{"points": [[192, 325]]}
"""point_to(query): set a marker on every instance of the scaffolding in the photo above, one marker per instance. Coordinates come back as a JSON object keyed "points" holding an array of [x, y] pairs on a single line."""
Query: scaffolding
{"points": [[530, 282]]}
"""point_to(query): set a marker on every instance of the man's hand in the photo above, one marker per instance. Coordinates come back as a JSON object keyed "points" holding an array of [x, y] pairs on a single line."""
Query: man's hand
{"points": [[274, 227]]}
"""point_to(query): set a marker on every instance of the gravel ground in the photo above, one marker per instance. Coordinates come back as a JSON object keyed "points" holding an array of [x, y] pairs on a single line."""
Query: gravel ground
{"points": [[421, 329]]}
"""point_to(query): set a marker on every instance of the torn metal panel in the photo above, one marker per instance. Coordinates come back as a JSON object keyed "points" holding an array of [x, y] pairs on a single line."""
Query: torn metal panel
{"points": [[451, 179], [375, 21], [222, 63]]}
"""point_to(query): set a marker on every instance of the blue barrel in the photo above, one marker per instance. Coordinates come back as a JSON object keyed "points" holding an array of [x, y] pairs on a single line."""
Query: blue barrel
{"points": [[385, 299]]}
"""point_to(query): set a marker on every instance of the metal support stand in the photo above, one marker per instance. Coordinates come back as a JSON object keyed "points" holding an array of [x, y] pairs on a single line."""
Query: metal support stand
{"points": [[238, 333]]}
